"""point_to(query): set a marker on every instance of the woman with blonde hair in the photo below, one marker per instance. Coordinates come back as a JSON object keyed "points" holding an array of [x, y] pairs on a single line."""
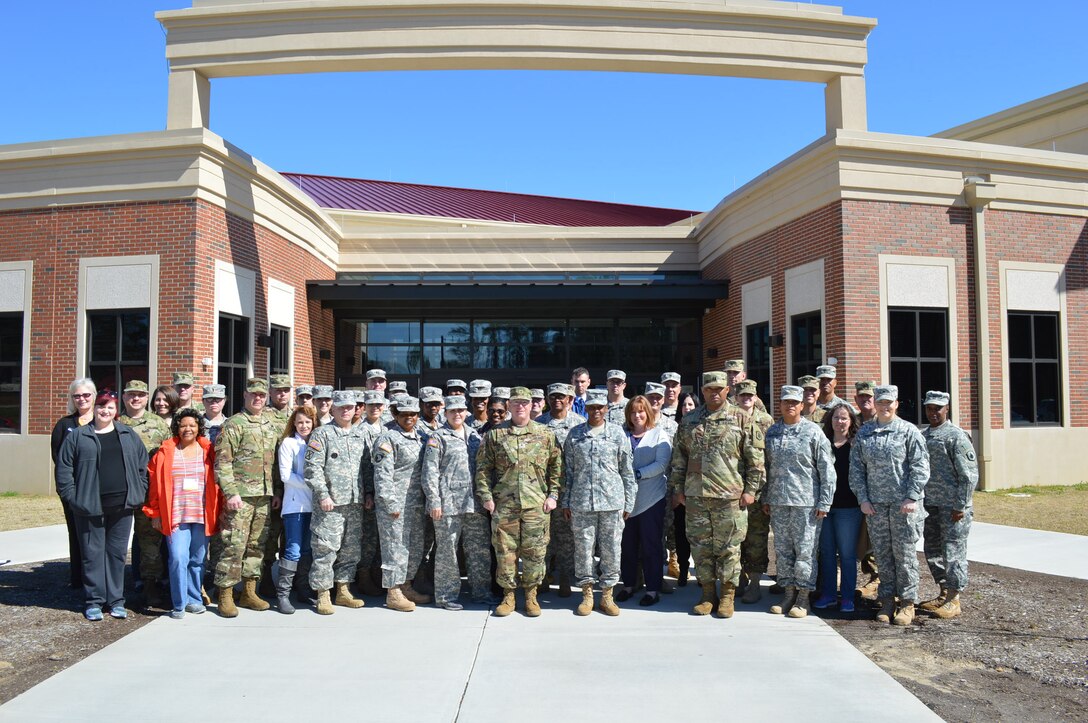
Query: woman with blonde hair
{"points": [[79, 411]]}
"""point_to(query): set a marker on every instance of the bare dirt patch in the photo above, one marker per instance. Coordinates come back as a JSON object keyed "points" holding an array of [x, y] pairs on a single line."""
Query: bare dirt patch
{"points": [[1058, 509], [19, 512]]}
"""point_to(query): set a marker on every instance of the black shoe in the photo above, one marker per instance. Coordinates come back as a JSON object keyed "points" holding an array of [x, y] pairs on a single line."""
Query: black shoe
{"points": [[623, 595], [777, 589], [649, 599], [682, 581]]}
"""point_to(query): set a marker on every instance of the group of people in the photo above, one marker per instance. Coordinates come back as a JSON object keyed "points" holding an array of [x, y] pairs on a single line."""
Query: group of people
{"points": [[580, 485]]}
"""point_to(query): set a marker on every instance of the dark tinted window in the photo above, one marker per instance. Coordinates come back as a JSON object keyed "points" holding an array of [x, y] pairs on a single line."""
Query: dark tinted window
{"points": [[11, 373], [1034, 368], [118, 347], [918, 359]]}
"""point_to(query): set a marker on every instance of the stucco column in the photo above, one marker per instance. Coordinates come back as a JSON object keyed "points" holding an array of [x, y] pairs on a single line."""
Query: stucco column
{"points": [[979, 193], [188, 100], [844, 103]]}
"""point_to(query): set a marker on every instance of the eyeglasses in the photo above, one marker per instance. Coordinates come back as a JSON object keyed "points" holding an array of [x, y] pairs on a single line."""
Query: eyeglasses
{"points": [[83, 395]]}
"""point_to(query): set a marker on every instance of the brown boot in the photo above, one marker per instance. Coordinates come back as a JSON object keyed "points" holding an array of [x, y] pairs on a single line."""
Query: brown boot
{"points": [[204, 597], [564, 586], [324, 604], [586, 606], [887, 609], [706, 605], [800, 605], [789, 595], [950, 608], [344, 597], [608, 605], [904, 615], [753, 593], [249, 599], [395, 600], [931, 605], [227, 609], [674, 565], [872, 587], [532, 607], [725, 604], [507, 605], [365, 583], [417, 597]]}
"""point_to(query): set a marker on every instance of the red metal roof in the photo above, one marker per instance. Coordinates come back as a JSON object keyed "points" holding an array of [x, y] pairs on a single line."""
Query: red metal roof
{"points": [[358, 194]]}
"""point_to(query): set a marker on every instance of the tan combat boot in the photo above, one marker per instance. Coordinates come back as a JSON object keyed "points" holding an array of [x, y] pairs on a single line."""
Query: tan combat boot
{"points": [[532, 607], [395, 600], [204, 597], [608, 605], [674, 565], [950, 608], [706, 605], [417, 597], [788, 598], [564, 586], [227, 608], [507, 605], [344, 597], [753, 593], [586, 606], [725, 604], [887, 609], [904, 615], [931, 605], [250, 599], [366, 583], [800, 605], [324, 604]]}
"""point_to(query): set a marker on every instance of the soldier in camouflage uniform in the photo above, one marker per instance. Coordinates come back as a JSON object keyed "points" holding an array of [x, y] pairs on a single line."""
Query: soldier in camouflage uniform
{"points": [[810, 410], [457, 388], [449, 466], [655, 394], [536, 408], [323, 403], [153, 431], [304, 395], [889, 469], [245, 453], [826, 378], [215, 399], [863, 402], [370, 562], [518, 476], [278, 410], [735, 372], [599, 491], [667, 419], [617, 403], [717, 472], [334, 457], [671, 397], [479, 392], [398, 492], [798, 494], [431, 420], [560, 419], [753, 551], [183, 385], [953, 475]]}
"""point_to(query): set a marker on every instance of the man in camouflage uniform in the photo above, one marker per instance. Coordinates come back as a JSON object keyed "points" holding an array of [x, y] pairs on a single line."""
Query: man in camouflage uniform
{"points": [[753, 551], [479, 393], [278, 410], [810, 410], [717, 472], [798, 494], [398, 491], [456, 388], [671, 396], [369, 573], [536, 408], [304, 395], [518, 477], [183, 385], [153, 431], [449, 466], [431, 420], [215, 399], [334, 458], [735, 372], [826, 377], [655, 395], [953, 475], [863, 401], [599, 489], [889, 469], [667, 419], [617, 403], [323, 403], [560, 420], [245, 454]]}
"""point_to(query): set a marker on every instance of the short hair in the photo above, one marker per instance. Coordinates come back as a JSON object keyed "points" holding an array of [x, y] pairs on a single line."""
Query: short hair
{"points": [[171, 396], [175, 423], [855, 421], [308, 412], [79, 384], [105, 397], [642, 403], [579, 372]]}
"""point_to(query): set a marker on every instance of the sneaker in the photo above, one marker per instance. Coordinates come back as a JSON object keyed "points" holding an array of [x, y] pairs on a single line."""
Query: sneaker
{"points": [[451, 605], [823, 602], [195, 608], [177, 614], [649, 599], [93, 613], [119, 612], [846, 606]]}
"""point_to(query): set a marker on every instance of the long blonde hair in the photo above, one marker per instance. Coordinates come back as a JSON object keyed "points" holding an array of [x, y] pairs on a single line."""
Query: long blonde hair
{"points": [[76, 385]]}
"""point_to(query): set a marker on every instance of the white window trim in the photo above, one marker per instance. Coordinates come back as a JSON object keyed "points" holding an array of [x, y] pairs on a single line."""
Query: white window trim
{"points": [[885, 260], [28, 306], [252, 276], [1063, 337], [791, 274], [745, 323]]}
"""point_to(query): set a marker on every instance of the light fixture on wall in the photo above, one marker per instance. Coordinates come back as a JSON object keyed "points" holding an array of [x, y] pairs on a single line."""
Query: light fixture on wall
{"points": [[712, 352], [324, 354], [207, 362], [776, 340]]}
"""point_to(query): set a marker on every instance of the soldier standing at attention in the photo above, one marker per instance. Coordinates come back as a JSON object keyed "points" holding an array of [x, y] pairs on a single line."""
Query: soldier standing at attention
{"points": [[456, 388], [398, 492], [370, 558], [536, 407], [599, 491], [953, 475], [152, 431], [334, 458], [655, 395], [479, 392], [215, 398], [734, 370], [826, 399], [560, 420], [278, 410], [449, 464], [889, 468], [671, 382], [798, 494], [245, 453], [617, 403], [518, 475], [376, 380], [304, 395], [717, 472], [753, 551], [863, 400], [810, 410], [323, 403], [430, 400], [183, 385]]}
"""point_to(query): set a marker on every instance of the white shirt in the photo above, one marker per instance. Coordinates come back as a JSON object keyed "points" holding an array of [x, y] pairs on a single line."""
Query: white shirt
{"points": [[297, 495]]}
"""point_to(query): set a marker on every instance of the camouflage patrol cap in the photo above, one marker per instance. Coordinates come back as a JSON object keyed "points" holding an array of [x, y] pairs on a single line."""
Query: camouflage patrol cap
{"points": [[791, 393], [560, 388], [456, 384], [863, 389], [398, 387], [183, 378], [304, 390], [373, 396], [886, 393], [596, 398], [537, 393], [279, 381], [521, 394], [825, 372], [360, 395], [456, 401], [322, 391], [937, 399], [715, 379], [503, 392], [479, 388], [375, 374], [617, 374], [734, 365], [343, 398], [654, 388], [808, 382], [214, 391], [256, 385], [135, 385], [670, 377], [430, 394], [748, 386], [407, 404], [396, 399]]}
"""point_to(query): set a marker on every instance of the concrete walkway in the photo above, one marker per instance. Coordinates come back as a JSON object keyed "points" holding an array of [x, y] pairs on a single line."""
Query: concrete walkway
{"points": [[431, 665], [34, 544], [1051, 553]]}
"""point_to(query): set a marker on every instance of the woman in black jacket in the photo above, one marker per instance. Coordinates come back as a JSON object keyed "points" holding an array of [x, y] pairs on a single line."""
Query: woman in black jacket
{"points": [[81, 394], [101, 474]]}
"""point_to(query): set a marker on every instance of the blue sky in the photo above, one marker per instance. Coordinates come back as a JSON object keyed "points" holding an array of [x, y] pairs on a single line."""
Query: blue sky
{"points": [[98, 68]]}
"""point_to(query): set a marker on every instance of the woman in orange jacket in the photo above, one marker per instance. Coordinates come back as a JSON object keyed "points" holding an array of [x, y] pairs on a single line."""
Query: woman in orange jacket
{"points": [[183, 503]]}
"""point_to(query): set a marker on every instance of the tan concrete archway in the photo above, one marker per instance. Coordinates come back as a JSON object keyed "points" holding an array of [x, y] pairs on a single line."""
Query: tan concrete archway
{"points": [[745, 38]]}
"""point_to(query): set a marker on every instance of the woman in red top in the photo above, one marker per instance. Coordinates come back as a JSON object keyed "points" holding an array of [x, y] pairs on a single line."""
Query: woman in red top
{"points": [[183, 504]]}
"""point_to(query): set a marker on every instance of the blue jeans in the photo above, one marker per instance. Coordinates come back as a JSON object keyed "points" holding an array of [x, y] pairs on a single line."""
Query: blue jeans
{"points": [[296, 531], [185, 564], [839, 537]]}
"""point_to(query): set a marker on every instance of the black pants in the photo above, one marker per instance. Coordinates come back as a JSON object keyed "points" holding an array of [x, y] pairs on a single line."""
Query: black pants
{"points": [[643, 542], [103, 540], [75, 557], [680, 527]]}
